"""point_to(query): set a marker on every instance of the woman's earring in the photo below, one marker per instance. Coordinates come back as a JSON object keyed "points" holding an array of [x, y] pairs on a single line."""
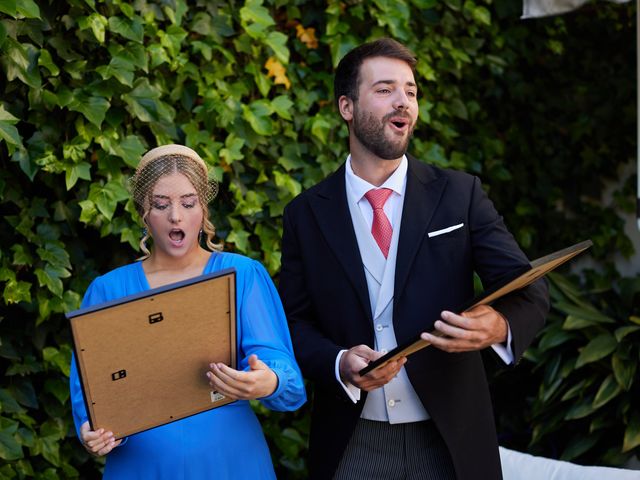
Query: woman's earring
{"points": [[144, 232]]}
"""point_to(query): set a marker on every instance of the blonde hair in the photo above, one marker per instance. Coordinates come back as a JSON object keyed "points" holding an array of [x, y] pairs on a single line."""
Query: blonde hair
{"points": [[167, 160]]}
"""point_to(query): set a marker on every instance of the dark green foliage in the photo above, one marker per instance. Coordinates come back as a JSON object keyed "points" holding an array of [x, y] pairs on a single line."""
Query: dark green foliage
{"points": [[581, 405], [543, 111]]}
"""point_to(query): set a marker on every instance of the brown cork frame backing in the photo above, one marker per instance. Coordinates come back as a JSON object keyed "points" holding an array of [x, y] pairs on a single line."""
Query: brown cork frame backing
{"points": [[143, 359]]}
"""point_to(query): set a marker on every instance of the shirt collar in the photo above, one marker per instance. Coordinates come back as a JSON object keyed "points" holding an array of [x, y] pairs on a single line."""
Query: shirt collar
{"points": [[395, 182]]}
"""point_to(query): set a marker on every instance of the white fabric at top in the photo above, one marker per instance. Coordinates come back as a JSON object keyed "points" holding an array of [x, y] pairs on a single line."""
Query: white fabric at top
{"points": [[522, 466], [543, 8]]}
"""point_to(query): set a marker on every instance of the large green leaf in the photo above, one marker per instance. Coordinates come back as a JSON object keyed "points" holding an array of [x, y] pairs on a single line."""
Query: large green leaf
{"points": [[582, 311], [578, 446], [632, 433], [624, 370], [580, 409], [607, 391], [601, 346]]}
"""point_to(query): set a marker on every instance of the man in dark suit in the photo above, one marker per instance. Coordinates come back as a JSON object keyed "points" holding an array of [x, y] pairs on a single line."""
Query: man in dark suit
{"points": [[377, 253]]}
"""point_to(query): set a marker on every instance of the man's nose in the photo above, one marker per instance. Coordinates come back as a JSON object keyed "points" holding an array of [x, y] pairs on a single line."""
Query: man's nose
{"points": [[401, 100]]}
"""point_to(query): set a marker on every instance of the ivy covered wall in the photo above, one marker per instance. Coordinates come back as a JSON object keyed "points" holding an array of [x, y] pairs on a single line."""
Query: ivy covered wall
{"points": [[543, 111]]}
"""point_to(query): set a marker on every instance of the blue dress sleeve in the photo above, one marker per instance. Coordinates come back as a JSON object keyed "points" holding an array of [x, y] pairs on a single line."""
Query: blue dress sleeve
{"points": [[93, 296], [263, 331]]}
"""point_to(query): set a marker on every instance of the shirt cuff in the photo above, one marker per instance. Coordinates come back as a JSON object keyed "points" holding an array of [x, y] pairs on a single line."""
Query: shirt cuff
{"points": [[352, 391], [505, 353]]}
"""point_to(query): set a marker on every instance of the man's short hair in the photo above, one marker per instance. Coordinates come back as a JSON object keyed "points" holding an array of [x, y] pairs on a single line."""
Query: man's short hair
{"points": [[347, 77]]}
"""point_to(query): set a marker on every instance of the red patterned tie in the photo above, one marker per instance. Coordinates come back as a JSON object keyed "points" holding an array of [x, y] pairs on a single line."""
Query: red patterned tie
{"points": [[381, 228]]}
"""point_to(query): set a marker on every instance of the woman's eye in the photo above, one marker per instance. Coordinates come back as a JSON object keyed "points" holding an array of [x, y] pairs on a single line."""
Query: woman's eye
{"points": [[159, 206], [189, 204]]}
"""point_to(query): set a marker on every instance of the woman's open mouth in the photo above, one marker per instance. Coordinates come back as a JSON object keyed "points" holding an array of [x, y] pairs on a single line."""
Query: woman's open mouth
{"points": [[176, 235]]}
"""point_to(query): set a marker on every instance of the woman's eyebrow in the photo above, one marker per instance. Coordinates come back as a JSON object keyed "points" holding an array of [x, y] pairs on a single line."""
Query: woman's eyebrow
{"points": [[167, 197]]}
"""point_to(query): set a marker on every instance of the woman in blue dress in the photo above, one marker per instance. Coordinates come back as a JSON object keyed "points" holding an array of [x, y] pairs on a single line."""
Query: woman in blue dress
{"points": [[171, 191]]}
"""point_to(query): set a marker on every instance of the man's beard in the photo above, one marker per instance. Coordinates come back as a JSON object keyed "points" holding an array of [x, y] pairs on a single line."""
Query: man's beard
{"points": [[370, 132]]}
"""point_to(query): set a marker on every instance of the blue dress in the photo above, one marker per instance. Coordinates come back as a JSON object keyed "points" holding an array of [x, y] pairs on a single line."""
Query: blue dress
{"points": [[226, 442]]}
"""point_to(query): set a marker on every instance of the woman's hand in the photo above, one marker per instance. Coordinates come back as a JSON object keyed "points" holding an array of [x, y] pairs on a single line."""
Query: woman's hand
{"points": [[97, 442], [258, 382]]}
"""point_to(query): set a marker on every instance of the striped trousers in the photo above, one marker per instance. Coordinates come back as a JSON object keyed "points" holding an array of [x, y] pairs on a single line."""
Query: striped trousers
{"points": [[407, 451]]}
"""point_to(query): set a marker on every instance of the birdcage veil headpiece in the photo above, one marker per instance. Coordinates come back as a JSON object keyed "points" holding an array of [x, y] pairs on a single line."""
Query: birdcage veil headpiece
{"points": [[165, 160]]}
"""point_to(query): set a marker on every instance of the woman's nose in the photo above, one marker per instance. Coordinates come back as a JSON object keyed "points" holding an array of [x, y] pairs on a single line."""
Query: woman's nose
{"points": [[174, 214]]}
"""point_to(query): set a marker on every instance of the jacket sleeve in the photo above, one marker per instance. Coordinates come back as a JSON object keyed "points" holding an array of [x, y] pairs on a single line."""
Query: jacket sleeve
{"points": [[314, 351], [495, 254]]}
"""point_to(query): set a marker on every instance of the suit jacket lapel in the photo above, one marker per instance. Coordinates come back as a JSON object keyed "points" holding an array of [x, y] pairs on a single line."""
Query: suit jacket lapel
{"points": [[422, 196], [331, 210]]}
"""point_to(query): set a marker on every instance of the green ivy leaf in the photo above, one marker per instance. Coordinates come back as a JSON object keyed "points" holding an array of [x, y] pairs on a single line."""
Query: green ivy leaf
{"points": [[282, 105], [74, 172], [50, 447], [10, 449], [97, 23], [28, 8], [255, 18], [16, 292], [94, 108], [58, 389], [8, 403], [278, 43], [130, 149], [320, 128], [47, 62], [8, 7], [238, 235], [598, 348], [10, 135], [257, 114], [233, 149], [481, 15], [48, 279], [130, 29], [21, 255], [60, 359], [144, 102]]}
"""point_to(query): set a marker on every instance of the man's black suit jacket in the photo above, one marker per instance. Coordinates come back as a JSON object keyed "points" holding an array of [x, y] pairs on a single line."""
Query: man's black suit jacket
{"points": [[324, 291]]}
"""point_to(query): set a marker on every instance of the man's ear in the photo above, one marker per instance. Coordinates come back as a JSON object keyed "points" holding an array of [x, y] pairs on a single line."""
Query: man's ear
{"points": [[345, 105]]}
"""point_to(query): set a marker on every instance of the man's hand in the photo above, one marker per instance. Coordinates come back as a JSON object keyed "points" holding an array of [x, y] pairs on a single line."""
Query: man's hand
{"points": [[258, 382], [97, 442], [475, 329], [357, 358]]}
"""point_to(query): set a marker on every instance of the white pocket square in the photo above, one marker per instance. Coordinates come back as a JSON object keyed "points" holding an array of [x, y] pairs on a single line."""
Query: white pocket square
{"points": [[445, 230]]}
